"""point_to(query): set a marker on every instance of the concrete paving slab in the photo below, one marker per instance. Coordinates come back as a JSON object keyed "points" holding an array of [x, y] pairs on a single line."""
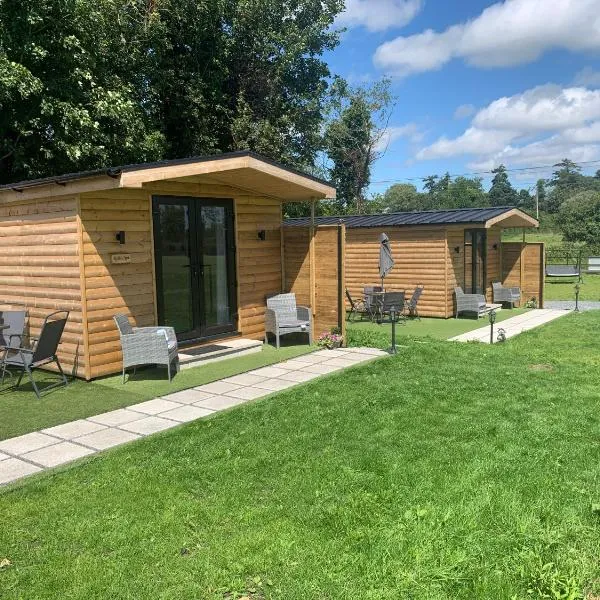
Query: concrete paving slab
{"points": [[275, 385], [187, 396], [247, 393], [298, 376], [293, 365], [334, 353], [12, 469], [4, 456], [153, 407], [58, 454], [218, 387], [267, 372], [245, 379], [187, 413], [368, 351], [107, 438], [343, 362], [149, 425], [74, 429], [116, 417], [311, 358], [216, 403], [27, 443], [322, 369]]}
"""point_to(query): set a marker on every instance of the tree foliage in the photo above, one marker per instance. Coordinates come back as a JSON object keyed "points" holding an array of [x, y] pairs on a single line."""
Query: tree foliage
{"points": [[502, 193], [88, 84], [579, 218]]}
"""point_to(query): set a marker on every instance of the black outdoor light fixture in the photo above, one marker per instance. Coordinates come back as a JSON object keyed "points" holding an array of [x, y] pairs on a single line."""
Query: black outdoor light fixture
{"points": [[120, 237], [492, 318], [495, 246], [393, 349], [457, 249], [262, 235], [577, 290]]}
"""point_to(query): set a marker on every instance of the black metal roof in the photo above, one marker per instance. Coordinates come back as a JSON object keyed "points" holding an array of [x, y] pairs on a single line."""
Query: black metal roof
{"points": [[116, 171], [456, 216]]}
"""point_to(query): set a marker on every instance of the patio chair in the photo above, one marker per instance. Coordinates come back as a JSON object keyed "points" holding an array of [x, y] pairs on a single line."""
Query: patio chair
{"points": [[411, 306], [12, 336], [283, 316], [469, 303], [42, 354], [393, 300], [508, 295], [146, 345], [357, 307], [373, 300]]}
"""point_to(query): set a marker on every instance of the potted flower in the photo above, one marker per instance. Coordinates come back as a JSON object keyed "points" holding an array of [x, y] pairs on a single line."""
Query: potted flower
{"points": [[330, 340]]}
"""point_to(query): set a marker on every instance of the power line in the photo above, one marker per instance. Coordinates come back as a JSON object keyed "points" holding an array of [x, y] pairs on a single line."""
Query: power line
{"points": [[489, 172]]}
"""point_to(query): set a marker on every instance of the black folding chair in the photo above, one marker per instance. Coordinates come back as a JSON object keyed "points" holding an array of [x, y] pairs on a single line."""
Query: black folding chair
{"points": [[11, 334], [357, 307], [393, 302], [43, 353], [373, 301]]}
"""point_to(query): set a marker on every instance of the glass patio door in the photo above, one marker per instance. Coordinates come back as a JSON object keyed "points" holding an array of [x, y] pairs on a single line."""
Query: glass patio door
{"points": [[475, 261], [195, 270]]}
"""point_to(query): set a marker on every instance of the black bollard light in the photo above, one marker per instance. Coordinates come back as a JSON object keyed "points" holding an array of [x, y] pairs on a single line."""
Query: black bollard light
{"points": [[492, 318], [577, 290], [393, 349]]}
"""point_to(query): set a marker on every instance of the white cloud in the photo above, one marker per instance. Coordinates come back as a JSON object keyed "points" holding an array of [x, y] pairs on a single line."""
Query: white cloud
{"points": [[410, 131], [379, 15], [464, 111], [505, 34], [587, 77], [543, 108], [571, 115]]}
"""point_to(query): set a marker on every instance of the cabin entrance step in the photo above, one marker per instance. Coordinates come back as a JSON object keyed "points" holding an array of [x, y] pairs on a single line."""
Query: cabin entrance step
{"points": [[194, 356]]}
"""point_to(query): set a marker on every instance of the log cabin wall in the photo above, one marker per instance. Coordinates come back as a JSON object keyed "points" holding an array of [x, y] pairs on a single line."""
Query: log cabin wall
{"points": [[39, 269], [420, 254], [130, 288], [523, 267]]}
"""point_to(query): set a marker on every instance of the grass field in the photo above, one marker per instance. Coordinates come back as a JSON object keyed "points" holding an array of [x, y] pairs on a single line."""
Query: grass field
{"points": [[452, 471], [21, 412], [565, 290]]}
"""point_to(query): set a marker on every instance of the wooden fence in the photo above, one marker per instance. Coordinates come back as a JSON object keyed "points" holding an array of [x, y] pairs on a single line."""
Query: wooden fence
{"points": [[523, 266], [313, 263]]}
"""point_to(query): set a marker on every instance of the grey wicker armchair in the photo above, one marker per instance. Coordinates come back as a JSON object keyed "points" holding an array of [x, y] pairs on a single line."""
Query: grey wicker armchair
{"points": [[283, 316], [469, 303], [508, 295], [147, 345]]}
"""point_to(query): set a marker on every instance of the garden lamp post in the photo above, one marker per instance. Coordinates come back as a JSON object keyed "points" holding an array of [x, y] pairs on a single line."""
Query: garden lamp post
{"points": [[393, 349], [492, 318], [577, 289]]}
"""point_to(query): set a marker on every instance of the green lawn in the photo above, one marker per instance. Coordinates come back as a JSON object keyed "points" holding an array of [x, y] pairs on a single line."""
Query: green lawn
{"points": [[565, 290], [366, 332], [452, 471], [21, 412]]}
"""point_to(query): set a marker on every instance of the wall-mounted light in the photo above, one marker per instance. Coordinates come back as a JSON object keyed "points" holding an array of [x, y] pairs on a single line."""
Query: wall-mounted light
{"points": [[120, 237], [495, 246], [457, 249], [262, 235]]}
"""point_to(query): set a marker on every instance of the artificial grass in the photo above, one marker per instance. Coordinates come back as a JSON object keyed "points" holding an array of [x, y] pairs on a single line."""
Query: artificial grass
{"points": [[21, 412], [440, 329], [452, 471]]}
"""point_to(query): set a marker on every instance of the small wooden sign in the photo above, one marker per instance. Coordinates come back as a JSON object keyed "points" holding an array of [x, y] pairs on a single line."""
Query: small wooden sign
{"points": [[120, 259]]}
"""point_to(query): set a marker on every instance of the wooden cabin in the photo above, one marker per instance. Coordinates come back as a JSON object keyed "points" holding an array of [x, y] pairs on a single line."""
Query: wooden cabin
{"points": [[440, 249], [196, 244]]}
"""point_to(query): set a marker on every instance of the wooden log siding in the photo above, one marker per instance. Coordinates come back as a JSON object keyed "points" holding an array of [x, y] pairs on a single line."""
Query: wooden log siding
{"points": [[258, 261], [420, 258], [523, 267], [39, 269], [112, 288], [326, 270]]}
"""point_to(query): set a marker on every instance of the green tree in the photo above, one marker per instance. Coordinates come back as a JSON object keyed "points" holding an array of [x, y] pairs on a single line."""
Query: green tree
{"points": [[353, 138], [502, 193], [465, 192], [89, 84], [402, 197], [579, 218]]}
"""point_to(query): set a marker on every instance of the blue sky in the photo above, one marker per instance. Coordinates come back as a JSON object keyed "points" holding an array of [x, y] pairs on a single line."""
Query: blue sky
{"points": [[479, 83]]}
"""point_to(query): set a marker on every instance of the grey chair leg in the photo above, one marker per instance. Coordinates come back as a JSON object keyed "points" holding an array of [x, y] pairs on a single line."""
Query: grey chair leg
{"points": [[35, 387], [123, 375], [169, 371], [310, 337], [277, 340]]}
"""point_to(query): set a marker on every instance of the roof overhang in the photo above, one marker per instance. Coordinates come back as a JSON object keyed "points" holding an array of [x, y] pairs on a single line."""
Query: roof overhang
{"points": [[245, 172], [512, 218]]}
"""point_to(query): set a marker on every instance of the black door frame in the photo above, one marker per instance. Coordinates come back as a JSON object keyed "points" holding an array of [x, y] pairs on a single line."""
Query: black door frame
{"points": [[475, 233], [200, 330]]}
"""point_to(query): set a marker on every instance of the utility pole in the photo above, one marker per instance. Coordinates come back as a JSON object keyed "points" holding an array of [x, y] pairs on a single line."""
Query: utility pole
{"points": [[537, 203]]}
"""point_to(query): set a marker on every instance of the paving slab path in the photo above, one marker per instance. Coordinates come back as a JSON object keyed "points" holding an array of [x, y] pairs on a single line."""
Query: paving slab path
{"points": [[513, 326], [41, 450]]}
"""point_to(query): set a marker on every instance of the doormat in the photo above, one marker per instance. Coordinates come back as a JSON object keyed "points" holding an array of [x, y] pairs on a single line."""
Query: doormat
{"points": [[203, 350]]}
